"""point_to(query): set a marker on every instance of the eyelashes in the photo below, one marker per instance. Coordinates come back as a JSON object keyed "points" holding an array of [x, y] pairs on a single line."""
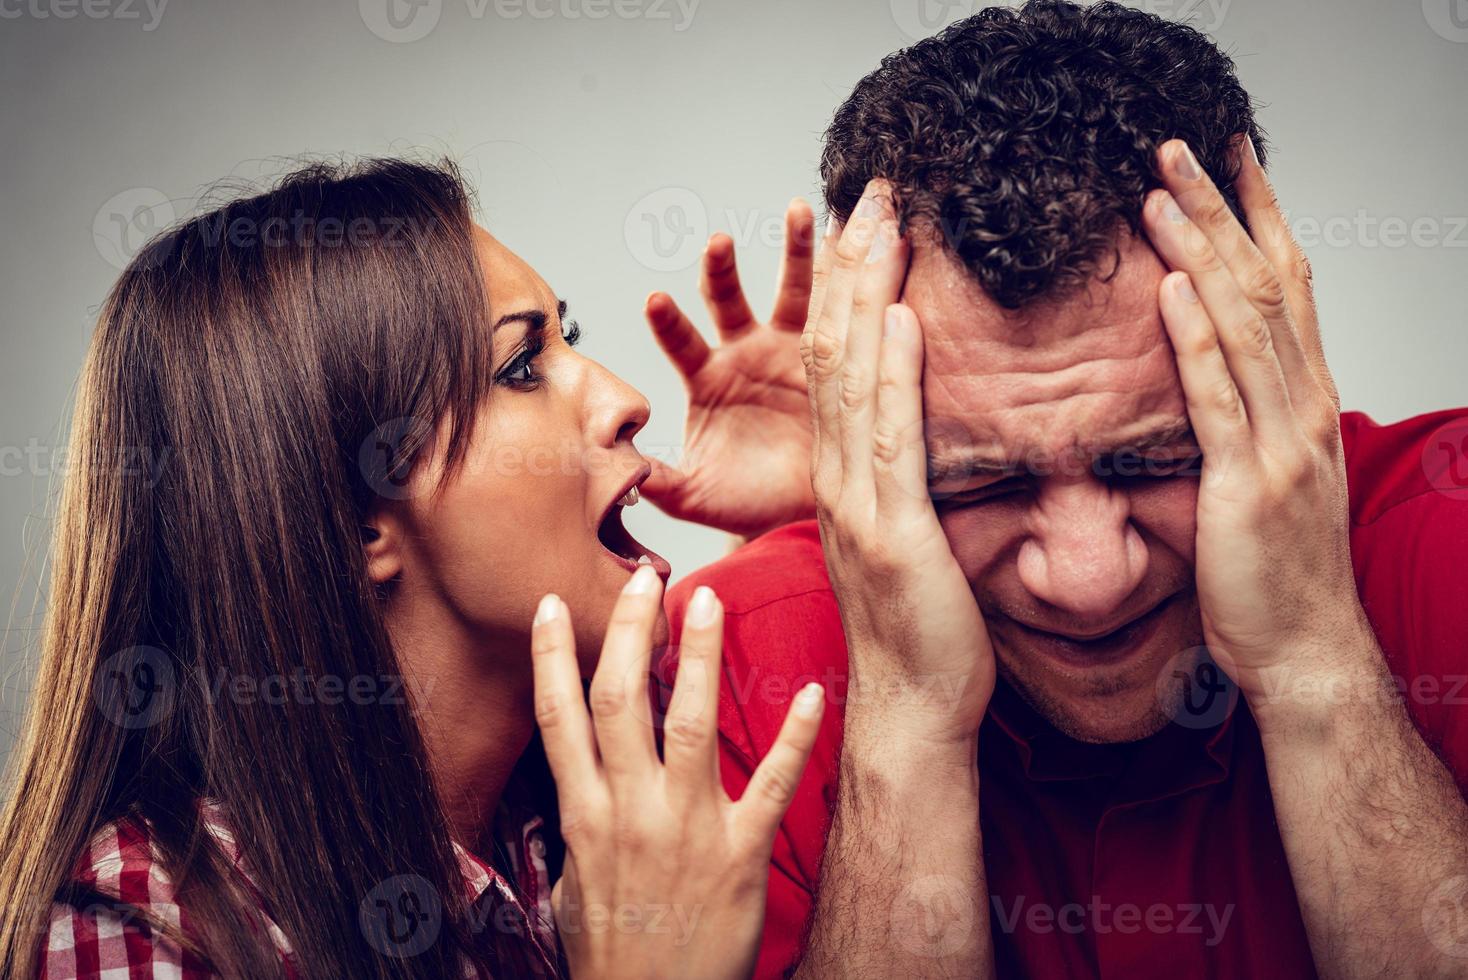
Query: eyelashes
{"points": [[519, 373]]}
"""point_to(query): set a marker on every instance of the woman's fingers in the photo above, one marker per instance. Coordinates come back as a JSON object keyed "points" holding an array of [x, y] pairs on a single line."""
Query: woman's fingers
{"points": [[792, 301], [620, 711], [560, 706], [676, 335], [724, 294], [690, 729], [667, 486], [772, 787], [722, 291], [1243, 332], [566, 894], [1214, 406], [899, 453]]}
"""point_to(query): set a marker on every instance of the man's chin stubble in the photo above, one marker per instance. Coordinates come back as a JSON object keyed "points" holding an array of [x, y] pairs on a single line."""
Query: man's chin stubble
{"points": [[1115, 708]]}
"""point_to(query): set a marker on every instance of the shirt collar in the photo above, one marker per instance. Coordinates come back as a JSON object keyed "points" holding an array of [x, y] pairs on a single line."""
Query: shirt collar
{"points": [[519, 834], [1172, 761], [480, 876]]}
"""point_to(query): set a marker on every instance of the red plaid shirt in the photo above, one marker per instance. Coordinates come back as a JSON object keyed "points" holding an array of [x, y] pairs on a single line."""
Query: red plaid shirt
{"points": [[94, 941]]}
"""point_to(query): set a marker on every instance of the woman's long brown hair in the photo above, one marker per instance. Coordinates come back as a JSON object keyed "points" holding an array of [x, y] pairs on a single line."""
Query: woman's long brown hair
{"points": [[262, 357]]}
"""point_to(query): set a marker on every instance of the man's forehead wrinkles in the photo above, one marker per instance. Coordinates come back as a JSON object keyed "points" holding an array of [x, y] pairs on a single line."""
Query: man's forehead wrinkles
{"points": [[1018, 389], [956, 335], [1083, 375], [1080, 419], [1140, 435], [994, 382]]}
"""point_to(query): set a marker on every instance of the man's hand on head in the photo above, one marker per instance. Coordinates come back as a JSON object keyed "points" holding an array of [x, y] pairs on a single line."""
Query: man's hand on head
{"points": [[1373, 826], [921, 662], [1275, 584], [921, 669]]}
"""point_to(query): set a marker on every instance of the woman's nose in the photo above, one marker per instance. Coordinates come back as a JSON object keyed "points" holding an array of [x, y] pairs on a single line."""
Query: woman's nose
{"points": [[617, 410]]}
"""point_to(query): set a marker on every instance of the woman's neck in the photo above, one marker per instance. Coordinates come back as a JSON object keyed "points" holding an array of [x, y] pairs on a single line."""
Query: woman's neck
{"points": [[473, 699]]}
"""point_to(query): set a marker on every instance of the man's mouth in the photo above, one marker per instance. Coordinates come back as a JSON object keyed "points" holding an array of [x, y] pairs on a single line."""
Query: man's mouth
{"points": [[1095, 649], [626, 550]]}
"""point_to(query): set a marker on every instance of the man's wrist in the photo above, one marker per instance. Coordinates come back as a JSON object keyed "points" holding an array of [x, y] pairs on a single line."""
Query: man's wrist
{"points": [[901, 747], [895, 787], [1318, 696], [927, 711]]}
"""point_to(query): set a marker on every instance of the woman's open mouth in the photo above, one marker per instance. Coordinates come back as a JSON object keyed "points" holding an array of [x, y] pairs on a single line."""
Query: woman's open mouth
{"points": [[620, 544]]}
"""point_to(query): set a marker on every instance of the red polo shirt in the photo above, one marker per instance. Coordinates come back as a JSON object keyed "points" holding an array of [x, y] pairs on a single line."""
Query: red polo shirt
{"points": [[1159, 858]]}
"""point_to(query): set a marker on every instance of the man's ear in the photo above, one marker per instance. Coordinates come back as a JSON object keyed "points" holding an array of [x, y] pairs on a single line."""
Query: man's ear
{"points": [[382, 544]]}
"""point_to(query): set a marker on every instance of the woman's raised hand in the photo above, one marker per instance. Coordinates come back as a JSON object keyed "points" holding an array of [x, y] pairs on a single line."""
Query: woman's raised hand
{"points": [[745, 465], [665, 876]]}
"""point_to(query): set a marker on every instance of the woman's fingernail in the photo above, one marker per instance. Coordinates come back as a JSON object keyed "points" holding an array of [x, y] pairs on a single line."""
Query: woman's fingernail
{"points": [[808, 701], [1185, 289], [549, 609], [1252, 150], [865, 208], [1185, 165], [702, 607], [642, 581]]}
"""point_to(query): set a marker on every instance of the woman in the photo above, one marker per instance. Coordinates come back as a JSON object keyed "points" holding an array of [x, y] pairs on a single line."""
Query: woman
{"points": [[284, 722]]}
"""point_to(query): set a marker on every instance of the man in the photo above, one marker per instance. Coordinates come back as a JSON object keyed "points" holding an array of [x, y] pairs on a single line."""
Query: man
{"points": [[1225, 620]]}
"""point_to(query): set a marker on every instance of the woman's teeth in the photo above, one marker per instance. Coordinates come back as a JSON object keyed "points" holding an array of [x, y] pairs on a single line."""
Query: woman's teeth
{"points": [[629, 498]]}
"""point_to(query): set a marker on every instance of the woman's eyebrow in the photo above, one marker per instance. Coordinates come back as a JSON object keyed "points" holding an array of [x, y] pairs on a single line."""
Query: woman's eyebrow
{"points": [[534, 320]]}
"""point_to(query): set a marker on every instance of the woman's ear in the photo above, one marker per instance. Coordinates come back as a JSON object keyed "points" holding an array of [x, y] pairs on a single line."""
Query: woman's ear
{"points": [[382, 543]]}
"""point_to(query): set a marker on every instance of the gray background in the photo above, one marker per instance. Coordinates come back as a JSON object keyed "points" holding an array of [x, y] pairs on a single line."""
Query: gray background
{"points": [[587, 124]]}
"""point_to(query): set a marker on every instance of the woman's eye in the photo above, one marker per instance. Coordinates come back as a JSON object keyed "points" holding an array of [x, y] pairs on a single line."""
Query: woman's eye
{"points": [[520, 372]]}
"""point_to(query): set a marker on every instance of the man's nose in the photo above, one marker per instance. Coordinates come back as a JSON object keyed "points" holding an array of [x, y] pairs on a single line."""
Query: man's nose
{"points": [[1082, 554]]}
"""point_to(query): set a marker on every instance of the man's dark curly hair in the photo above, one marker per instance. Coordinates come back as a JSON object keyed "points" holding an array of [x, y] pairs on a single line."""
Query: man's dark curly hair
{"points": [[1027, 136]]}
